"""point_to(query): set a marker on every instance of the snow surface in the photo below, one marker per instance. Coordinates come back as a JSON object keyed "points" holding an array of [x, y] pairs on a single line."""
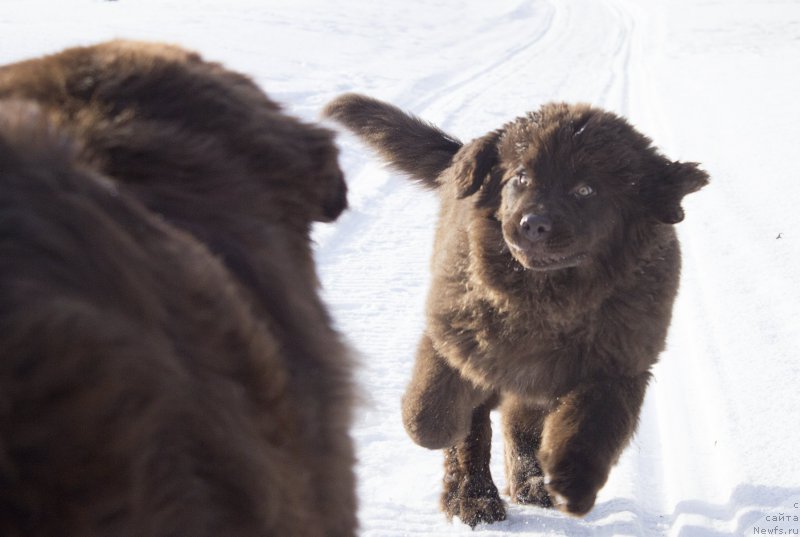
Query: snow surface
{"points": [[717, 81]]}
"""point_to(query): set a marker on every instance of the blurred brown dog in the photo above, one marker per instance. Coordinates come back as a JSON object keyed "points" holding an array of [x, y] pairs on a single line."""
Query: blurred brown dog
{"points": [[554, 272], [166, 364]]}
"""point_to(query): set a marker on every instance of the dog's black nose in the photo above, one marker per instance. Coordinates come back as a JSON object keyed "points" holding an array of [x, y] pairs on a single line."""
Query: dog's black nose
{"points": [[535, 227]]}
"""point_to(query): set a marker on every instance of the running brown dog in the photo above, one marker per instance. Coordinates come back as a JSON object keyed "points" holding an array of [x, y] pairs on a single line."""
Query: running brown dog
{"points": [[555, 267]]}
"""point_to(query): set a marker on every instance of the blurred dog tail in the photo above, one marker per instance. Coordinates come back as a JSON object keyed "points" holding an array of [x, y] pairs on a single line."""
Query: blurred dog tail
{"points": [[407, 143]]}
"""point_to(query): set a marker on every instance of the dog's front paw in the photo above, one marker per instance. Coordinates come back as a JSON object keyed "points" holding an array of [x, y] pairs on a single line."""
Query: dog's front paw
{"points": [[573, 482], [473, 502], [531, 491]]}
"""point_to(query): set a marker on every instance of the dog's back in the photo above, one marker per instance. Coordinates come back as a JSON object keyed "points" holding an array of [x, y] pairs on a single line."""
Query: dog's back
{"points": [[138, 394], [213, 156]]}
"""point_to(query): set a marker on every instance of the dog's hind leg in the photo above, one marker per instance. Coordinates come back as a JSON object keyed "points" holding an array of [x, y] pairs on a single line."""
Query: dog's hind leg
{"points": [[469, 492], [522, 432]]}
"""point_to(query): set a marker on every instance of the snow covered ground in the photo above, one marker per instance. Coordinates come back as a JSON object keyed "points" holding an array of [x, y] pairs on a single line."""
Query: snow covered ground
{"points": [[717, 81]]}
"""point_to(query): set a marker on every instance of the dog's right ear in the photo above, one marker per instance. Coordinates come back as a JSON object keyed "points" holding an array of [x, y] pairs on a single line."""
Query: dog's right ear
{"points": [[474, 162]]}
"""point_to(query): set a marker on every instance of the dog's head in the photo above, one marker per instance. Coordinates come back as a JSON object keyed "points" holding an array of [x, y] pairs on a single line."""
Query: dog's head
{"points": [[565, 180]]}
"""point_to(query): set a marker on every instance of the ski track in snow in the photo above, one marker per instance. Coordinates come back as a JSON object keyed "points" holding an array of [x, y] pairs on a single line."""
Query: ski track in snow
{"points": [[716, 449]]}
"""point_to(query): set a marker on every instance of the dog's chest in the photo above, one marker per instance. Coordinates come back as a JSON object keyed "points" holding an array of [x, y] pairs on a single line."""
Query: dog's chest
{"points": [[525, 351], [536, 336]]}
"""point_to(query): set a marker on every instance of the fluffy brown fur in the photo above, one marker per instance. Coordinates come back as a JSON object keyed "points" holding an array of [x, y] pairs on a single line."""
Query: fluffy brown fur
{"points": [[167, 367], [555, 268]]}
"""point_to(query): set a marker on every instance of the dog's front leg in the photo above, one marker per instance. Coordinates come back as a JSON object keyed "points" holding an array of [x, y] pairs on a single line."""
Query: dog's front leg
{"points": [[443, 410], [585, 434], [469, 492], [438, 403]]}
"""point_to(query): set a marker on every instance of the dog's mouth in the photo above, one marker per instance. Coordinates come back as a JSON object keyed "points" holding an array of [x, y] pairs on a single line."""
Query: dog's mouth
{"points": [[541, 261]]}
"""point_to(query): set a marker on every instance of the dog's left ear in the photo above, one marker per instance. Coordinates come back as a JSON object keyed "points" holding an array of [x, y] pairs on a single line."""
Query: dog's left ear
{"points": [[473, 163], [333, 187], [663, 192], [323, 185]]}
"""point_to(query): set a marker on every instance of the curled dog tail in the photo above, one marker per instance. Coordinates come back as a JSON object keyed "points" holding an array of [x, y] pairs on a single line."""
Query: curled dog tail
{"points": [[407, 143]]}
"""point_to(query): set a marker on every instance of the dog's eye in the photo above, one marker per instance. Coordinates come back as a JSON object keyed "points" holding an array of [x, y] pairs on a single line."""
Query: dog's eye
{"points": [[583, 191], [522, 179]]}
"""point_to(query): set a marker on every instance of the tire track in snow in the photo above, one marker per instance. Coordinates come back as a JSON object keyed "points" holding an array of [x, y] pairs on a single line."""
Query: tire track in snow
{"points": [[639, 482], [684, 450], [466, 89], [655, 470], [645, 461], [374, 264]]}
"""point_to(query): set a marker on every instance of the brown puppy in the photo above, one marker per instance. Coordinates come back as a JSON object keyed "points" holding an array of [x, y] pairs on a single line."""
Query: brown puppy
{"points": [[234, 419], [554, 272]]}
